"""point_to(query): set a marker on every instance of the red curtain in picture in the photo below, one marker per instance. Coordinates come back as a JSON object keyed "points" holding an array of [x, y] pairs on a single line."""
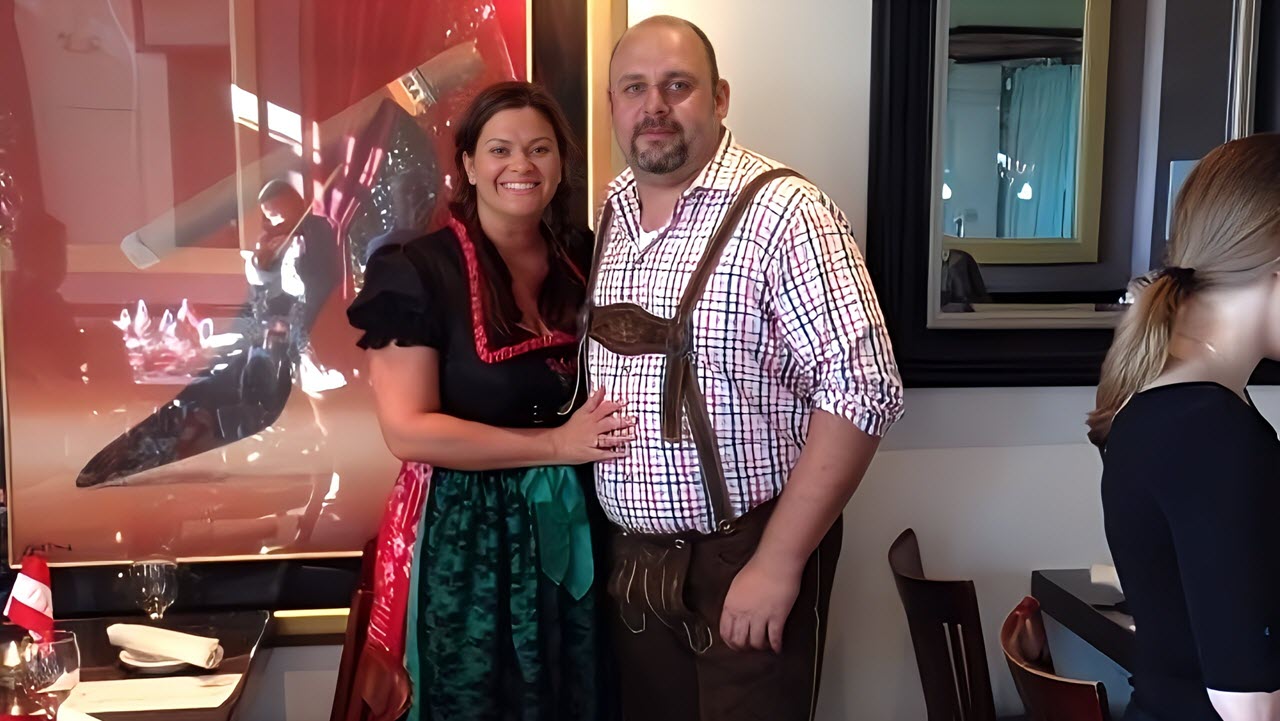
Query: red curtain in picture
{"points": [[353, 48], [350, 48]]}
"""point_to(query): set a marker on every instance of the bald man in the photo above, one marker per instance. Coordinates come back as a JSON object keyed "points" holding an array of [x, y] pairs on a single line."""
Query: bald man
{"points": [[732, 311]]}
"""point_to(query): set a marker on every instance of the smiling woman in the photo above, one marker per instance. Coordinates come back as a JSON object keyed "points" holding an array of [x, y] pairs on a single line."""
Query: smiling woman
{"points": [[515, 149], [472, 339]]}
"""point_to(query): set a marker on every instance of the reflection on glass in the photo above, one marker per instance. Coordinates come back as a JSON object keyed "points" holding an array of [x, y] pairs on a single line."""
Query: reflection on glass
{"points": [[154, 585], [177, 270], [1012, 125], [48, 671], [1017, 237]]}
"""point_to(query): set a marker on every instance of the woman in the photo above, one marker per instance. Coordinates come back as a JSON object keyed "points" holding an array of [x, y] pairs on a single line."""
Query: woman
{"points": [[1191, 486], [472, 341]]}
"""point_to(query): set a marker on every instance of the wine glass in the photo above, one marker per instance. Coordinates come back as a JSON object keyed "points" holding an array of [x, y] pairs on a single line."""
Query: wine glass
{"points": [[49, 669], [155, 586]]}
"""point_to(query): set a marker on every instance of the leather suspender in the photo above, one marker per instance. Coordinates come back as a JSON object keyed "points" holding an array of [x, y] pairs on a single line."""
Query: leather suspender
{"points": [[628, 329]]}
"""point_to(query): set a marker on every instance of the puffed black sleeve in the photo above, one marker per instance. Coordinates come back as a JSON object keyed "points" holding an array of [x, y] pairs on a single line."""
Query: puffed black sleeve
{"points": [[396, 303]]}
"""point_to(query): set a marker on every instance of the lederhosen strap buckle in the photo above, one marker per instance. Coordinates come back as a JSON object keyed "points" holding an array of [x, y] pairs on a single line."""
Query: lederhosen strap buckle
{"points": [[630, 330]]}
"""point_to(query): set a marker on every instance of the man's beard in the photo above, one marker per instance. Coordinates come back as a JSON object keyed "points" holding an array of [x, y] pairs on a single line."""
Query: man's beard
{"points": [[660, 159]]}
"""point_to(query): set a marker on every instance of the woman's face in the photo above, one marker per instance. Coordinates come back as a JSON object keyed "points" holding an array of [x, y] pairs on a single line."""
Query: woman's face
{"points": [[516, 167]]}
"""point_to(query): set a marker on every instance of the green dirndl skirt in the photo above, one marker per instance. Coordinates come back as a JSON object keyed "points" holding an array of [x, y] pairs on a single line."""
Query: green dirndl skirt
{"points": [[502, 620]]}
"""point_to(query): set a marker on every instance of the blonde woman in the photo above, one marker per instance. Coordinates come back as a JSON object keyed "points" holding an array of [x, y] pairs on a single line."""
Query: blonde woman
{"points": [[1191, 486]]}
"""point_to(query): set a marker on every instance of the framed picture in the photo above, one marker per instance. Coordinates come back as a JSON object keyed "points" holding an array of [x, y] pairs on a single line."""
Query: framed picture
{"points": [[185, 214]]}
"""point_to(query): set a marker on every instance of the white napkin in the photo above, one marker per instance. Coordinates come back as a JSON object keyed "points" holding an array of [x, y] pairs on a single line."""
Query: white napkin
{"points": [[1104, 575], [195, 650]]}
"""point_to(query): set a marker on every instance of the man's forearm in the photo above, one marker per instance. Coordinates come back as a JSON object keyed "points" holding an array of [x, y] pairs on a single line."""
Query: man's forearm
{"points": [[832, 464]]}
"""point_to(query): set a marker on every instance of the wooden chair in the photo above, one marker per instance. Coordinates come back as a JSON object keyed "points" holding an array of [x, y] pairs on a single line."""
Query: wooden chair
{"points": [[372, 686], [947, 635], [1047, 697]]}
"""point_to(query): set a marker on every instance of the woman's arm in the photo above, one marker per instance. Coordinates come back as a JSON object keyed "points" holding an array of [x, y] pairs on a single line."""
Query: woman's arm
{"points": [[1259, 706], [1220, 507], [406, 387]]}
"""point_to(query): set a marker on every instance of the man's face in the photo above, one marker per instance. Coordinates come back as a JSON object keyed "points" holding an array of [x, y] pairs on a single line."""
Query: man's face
{"points": [[282, 209], [666, 109]]}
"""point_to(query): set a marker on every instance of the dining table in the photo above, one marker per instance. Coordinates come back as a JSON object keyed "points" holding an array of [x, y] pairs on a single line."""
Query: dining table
{"points": [[110, 689], [1095, 612]]}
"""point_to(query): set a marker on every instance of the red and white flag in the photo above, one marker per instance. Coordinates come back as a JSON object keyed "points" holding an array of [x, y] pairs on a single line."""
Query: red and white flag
{"points": [[30, 602]]}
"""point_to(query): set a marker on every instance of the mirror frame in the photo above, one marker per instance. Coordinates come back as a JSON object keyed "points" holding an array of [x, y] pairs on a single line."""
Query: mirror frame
{"points": [[899, 224], [1096, 34], [1083, 248]]}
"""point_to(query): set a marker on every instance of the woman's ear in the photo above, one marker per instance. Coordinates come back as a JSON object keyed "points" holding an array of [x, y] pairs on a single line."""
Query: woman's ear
{"points": [[469, 163]]}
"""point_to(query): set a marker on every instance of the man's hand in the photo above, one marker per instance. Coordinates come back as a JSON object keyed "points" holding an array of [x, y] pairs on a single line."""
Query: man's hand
{"points": [[758, 603]]}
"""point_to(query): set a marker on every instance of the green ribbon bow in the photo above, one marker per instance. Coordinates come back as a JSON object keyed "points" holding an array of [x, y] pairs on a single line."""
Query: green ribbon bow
{"points": [[563, 530]]}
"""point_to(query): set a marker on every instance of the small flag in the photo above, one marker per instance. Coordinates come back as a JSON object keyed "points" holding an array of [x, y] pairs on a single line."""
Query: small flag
{"points": [[30, 602]]}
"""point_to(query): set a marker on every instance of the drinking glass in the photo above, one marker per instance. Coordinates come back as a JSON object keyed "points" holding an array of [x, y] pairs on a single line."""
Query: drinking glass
{"points": [[155, 586], [49, 669]]}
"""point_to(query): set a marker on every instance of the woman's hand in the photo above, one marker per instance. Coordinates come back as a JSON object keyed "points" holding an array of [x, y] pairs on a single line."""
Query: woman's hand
{"points": [[590, 434]]}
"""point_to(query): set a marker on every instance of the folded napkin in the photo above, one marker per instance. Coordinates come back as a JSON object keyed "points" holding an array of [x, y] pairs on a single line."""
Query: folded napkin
{"points": [[1104, 575], [163, 643]]}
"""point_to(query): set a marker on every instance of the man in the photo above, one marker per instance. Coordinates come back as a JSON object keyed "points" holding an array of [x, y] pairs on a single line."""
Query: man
{"points": [[761, 377], [296, 261]]}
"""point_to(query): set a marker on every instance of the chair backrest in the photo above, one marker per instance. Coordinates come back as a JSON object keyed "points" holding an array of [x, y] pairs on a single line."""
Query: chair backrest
{"points": [[947, 635], [1046, 696], [372, 686]]}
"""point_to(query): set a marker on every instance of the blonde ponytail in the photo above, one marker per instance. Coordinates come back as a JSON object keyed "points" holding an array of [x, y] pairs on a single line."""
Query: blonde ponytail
{"points": [[1140, 349], [1226, 231]]}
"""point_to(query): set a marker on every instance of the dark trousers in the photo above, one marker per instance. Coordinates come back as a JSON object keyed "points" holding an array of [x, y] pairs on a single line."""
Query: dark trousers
{"points": [[666, 594]]}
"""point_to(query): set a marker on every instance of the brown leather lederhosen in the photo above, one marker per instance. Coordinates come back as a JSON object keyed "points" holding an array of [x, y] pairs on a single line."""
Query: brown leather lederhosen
{"points": [[630, 330], [654, 567]]}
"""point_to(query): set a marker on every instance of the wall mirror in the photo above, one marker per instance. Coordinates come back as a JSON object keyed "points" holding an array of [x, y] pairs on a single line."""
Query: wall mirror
{"points": [[1021, 90], [1024, 154]]}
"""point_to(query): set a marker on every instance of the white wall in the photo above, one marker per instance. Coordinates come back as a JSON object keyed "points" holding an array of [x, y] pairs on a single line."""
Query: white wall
{"points": [[996, 482], [104, 148], [972, 138], [799, 80]]}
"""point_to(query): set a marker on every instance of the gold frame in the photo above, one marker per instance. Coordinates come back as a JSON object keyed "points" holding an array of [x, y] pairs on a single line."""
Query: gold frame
{"points": [[606, 21], [1093, 122]]}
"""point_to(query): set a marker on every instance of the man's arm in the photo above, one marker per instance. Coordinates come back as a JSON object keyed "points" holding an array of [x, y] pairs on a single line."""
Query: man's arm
{"points": [[826, 315], [828, 472]]}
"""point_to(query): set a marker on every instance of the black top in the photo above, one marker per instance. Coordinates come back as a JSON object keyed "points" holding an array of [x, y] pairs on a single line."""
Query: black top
{"points": [[420, 293], [1191, 494]]}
